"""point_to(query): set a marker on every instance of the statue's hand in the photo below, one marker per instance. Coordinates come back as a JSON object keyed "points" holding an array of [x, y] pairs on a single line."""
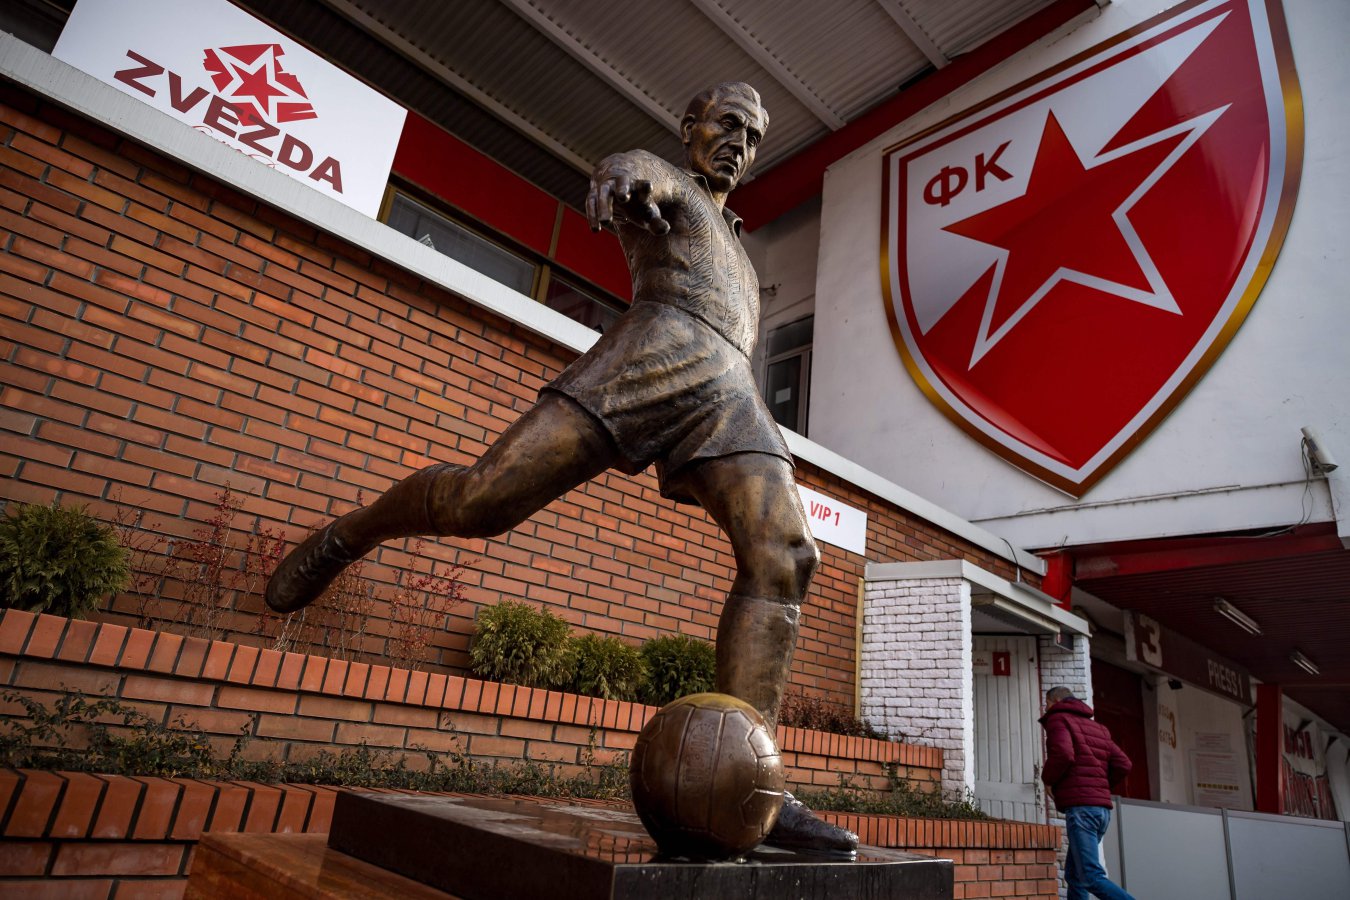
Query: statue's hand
{"points": [[632, 196]]}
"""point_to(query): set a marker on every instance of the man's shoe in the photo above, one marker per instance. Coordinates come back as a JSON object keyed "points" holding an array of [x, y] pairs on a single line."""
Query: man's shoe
{"points": [[799, 829], [307, 570]]}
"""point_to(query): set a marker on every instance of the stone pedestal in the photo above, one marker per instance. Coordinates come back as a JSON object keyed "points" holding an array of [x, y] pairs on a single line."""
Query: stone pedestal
{"points": [[511, 849]]}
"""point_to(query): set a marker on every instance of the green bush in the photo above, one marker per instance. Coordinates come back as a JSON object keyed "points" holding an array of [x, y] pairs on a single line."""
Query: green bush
{"points": [[519, 644], [902, 799], [605, 667], [676, 667], [58, 560], [107, 736], [101, 735]]}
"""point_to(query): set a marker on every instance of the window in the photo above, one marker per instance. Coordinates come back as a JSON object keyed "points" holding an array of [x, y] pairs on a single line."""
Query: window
{"points": [[576, 304], [787, 373], [459, 243], [532, 276]]}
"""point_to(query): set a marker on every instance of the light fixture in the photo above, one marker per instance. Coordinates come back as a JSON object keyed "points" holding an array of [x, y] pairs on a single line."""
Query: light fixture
{"points": [[1236, 616], [1304, 663], [1319, 455]]}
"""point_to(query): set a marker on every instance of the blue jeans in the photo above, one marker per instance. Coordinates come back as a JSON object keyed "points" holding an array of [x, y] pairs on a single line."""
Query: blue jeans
{"points": [[1086, 826]]}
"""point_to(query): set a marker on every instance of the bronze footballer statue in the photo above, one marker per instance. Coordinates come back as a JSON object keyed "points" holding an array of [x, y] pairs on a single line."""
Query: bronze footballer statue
{"points": [[669, 383]]}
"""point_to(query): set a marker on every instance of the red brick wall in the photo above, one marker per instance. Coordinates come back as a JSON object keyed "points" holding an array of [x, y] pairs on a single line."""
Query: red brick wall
{"points": [[993, 859], [163, 336], [293, 706]]}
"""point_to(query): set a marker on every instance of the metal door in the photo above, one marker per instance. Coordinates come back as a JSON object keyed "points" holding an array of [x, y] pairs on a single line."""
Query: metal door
{"points": [[1007, 735]]}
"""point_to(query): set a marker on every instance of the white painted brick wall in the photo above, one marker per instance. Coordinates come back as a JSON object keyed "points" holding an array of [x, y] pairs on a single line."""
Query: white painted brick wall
{"points": [[916, 669]]}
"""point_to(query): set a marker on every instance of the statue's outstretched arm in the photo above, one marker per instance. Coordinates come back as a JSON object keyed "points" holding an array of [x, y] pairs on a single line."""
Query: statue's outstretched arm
{"points": [[634, 184]]}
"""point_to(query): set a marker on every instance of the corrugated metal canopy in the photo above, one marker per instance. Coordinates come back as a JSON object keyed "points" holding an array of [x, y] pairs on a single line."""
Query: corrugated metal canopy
{"points": [[556, 85]]}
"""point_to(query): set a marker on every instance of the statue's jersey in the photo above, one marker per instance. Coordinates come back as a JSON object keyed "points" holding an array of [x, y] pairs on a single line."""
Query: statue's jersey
{"points": [[700, 266], [671, 379]]}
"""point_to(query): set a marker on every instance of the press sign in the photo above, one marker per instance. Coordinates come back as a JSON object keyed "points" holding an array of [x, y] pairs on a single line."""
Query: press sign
{"points": [[834, 522]]}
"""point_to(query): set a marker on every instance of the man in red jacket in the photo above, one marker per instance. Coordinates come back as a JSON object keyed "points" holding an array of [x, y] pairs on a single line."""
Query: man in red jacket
{"points": [[1082, 765]]}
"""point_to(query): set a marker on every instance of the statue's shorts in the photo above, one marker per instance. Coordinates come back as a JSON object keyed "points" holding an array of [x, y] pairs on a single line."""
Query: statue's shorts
{"points": [[671, 390]]}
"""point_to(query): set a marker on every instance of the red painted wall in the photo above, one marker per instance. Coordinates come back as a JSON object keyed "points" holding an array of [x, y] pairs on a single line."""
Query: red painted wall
{"points": [[446, 167]]}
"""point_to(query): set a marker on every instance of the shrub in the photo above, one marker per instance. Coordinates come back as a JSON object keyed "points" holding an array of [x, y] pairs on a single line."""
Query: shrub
{"points": [[902, 799], [419, 610], [675, 667], [215, 576], [519, 644], [58, 560], [101, 735], [605, 667], [802, 711], [336, 625], [107, 736]]}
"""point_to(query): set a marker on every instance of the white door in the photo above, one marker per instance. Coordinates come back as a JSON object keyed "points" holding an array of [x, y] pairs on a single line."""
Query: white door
{"points": [[1007, 735]]}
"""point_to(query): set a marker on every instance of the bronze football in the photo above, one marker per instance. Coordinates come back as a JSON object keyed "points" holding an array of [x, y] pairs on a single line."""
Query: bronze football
{"points": [[707, 777]]}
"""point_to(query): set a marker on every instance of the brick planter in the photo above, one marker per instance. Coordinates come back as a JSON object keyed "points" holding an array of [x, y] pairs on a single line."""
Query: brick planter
{"points": [[294, 706]]}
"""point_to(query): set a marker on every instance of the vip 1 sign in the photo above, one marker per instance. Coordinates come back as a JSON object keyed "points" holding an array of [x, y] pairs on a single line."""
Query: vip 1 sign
{"points": [[833, 522], [217, 69]]}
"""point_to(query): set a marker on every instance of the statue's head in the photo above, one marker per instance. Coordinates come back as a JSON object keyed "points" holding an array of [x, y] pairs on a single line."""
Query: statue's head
{"points": [[721, 130]]}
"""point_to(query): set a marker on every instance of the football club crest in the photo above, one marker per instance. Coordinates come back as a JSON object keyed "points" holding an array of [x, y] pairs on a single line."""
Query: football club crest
{"points": [[1063, 263]]}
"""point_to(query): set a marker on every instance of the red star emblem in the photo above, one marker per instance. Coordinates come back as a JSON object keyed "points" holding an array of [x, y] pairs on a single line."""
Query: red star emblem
{"points": [[1064, 262], [1079, 211], [254, 83], [254, 71]]}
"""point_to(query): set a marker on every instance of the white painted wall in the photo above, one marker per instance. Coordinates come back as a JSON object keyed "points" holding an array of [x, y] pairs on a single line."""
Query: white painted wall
{"points": [[915, 674], [1227, 458], [788, 247]]}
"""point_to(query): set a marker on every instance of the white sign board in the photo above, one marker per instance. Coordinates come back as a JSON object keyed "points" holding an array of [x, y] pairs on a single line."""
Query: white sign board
{"points": [[1216, 780], [833, 522], [217, 69], [982, 662]]}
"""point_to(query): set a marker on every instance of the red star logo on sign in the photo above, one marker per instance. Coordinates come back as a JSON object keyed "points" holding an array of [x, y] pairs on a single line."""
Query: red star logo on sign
{"points": [[1066, 261], [1071, 209], [252, 78]]}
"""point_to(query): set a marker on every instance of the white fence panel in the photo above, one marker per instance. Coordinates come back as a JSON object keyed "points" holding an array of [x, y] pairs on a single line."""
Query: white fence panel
{"points": [[1163, 852], [1170, 853], [1287, 857]]}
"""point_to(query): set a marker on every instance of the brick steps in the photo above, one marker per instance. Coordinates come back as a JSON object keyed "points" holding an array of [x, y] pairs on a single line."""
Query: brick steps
{"points": [[73, 834], [66, 834]]}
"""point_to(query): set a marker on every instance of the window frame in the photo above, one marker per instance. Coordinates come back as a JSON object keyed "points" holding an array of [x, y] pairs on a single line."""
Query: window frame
{"points": [[545, 270], [804, 378]]}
